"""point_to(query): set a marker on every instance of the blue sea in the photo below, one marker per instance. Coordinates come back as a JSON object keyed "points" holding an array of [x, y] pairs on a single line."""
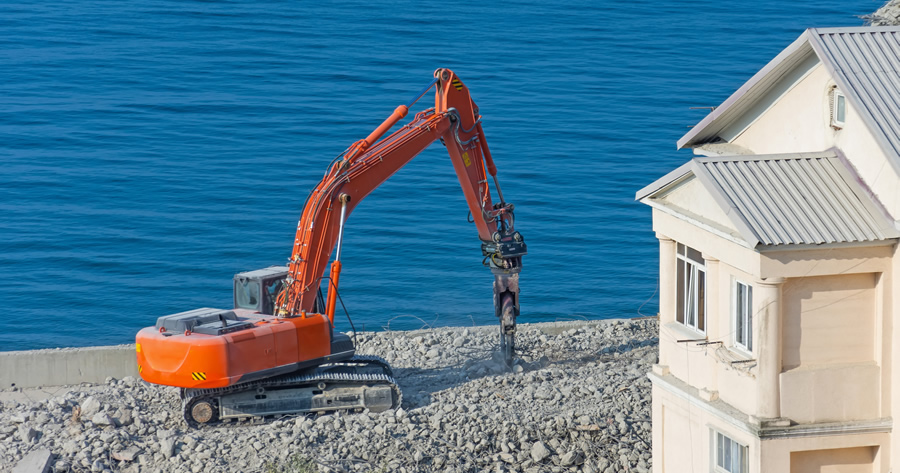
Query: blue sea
{"points": [[150, 150]]}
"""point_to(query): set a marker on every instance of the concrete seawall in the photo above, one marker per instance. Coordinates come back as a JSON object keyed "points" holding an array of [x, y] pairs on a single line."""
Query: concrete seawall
{"points": [[66, 366]]}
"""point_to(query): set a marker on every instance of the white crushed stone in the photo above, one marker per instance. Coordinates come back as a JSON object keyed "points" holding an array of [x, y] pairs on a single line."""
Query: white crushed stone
{"points": [[887, 15], [579, 402]]}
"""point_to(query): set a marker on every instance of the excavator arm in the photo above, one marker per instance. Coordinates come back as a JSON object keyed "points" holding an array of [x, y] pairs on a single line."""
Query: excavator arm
{"points": [[454, 120]]}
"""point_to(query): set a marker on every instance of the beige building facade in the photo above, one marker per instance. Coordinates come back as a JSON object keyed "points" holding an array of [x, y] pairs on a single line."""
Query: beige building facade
{"points": [[778, 243]]}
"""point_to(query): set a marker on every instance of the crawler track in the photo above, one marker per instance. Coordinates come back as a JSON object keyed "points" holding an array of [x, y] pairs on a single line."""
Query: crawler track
{"points": [[362, 382]]}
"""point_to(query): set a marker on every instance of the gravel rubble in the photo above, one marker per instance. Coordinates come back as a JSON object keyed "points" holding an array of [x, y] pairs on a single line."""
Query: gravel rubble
{"points": [[578, 401], [887, 15]]}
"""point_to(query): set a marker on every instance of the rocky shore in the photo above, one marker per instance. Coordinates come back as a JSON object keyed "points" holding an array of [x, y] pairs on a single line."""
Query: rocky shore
{"points": [[579, 401], [887, 15]]}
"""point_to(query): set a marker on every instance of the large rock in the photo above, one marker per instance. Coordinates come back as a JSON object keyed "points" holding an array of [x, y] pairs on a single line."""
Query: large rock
{"points": [[38, 461], [124, 416], [167, 446], [102, 418], [27, 434], [90, 407], [539, 452], [71, 447], [127, 455], [572, 458]]}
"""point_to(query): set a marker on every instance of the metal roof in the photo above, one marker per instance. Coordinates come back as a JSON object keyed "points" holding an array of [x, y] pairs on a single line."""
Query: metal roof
{"points": [[786, 199], [865, 65]]}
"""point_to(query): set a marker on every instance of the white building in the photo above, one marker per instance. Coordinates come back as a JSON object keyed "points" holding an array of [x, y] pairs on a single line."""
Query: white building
{"points": [[777, 251]]}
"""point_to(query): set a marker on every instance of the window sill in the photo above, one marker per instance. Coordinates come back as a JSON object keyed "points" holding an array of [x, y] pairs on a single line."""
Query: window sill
{"points": [[736, 355], [740, 352], [736, 358], [683, 332]]}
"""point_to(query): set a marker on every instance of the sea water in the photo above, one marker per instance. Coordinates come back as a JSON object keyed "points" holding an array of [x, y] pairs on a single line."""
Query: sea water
{"points": [[150, 150]]}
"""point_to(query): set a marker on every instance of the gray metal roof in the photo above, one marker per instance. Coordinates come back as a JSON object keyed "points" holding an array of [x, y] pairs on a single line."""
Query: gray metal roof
{"points": [[865, 65], [787, 199]]}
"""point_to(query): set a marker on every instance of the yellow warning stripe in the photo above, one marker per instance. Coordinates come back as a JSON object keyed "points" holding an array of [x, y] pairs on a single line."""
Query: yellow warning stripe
{"points": [[456, 83], [198, 376], [140, 369]]}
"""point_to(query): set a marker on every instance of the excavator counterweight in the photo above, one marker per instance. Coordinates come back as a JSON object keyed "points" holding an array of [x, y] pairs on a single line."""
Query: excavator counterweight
{"points": [[277, 351]]}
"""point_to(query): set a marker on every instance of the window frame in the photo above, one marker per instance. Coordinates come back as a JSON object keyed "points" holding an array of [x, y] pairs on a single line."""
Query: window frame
{"points": [[836, 97], [718, 462], [744, 327], [688, 292]]}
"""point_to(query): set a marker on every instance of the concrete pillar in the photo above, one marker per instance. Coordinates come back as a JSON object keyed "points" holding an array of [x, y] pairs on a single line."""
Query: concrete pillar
{"points": [[666, 279], [767, 327]]}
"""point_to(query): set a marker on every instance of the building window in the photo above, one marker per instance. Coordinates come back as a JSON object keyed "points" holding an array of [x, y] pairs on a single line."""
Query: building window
{"points": [[691, 280], [743, 315], [731, 457], [838, 108]]}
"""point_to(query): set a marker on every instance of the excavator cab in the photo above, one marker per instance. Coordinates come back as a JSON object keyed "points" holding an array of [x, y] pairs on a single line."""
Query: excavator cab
{"points": [[258, 290]]}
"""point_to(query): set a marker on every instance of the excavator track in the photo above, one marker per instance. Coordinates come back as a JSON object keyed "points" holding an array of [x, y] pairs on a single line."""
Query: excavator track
{"points": [[362, 382]]}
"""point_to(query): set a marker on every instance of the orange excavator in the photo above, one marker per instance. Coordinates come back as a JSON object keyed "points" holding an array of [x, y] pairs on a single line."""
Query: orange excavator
{"points": [[277, 351]]}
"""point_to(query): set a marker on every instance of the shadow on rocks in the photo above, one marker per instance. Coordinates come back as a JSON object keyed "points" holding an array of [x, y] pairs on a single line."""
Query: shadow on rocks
{"points": [[420, 384]]}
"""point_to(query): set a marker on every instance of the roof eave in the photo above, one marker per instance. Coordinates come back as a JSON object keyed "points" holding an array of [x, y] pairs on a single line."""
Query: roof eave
{"points": [[697, 223], [693, 167], [670, 178], [825, 246], [688, 138]]}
